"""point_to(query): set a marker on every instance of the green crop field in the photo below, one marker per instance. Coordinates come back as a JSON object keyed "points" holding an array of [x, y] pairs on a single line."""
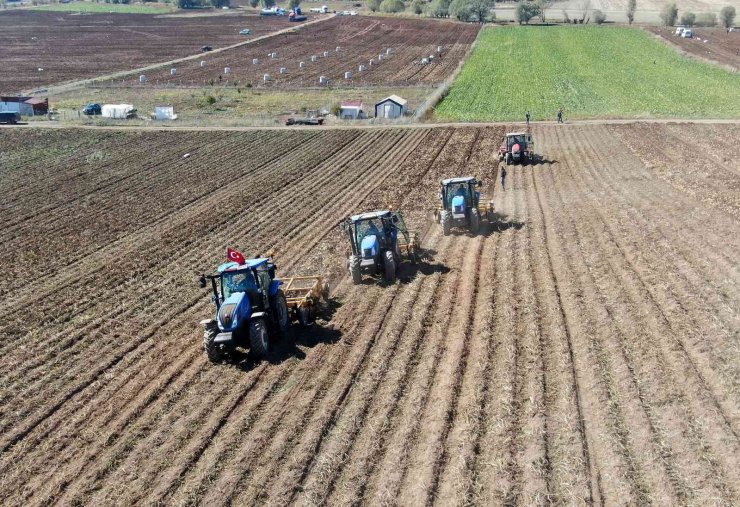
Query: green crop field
{"points": [[105, 8], [589, 71]]}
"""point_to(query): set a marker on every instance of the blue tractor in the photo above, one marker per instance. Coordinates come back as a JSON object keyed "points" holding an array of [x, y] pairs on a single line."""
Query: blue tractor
{"points": [[250, 308], [379, 240], [461, 205]]}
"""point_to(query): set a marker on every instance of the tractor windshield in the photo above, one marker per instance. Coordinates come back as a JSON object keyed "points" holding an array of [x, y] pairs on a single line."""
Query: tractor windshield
{"points": [[368, 227], [457, 189], [515, 140], [237, 281]]}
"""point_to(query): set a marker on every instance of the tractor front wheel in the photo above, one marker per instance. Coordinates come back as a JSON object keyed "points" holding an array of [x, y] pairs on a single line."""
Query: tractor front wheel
{"points": [[354, 269], [213, 351], [446, 220], [474, 221], [280, 313], [389, 266], [259, 338]]}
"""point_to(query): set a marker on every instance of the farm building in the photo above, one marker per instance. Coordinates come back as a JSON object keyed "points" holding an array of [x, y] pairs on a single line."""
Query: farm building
{"points": [[26, 106], [164, 113], [352, 110], [391, 107]]}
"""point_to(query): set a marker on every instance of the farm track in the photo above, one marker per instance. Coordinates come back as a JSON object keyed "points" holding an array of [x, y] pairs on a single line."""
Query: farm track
{"points": [[578, 351]]}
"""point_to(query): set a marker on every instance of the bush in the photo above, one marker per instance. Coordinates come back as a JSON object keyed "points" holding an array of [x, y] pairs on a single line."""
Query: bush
{"points": [[254, 3], [373, 5], [439, 8], [392, 6], [706, 19], [631, 8], [599, 17], [727, 15], [688, 19], [668, 14], [417, 7], [210, 100], [526, 10], [460, 9], [566, 18]]}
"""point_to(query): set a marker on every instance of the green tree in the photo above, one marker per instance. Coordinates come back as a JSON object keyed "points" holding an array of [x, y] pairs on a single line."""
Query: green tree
{"points": [[418, 7], [668, 14], [631, 8], [439, 8], [268, 3], [460, 9], [373, 5], [526, 10], [294, 3], [254, 3], [186, 4], [392, 6], [706, 19], [688, 19], [727, 15], [599, 16], [481, 9], [543, 6]]}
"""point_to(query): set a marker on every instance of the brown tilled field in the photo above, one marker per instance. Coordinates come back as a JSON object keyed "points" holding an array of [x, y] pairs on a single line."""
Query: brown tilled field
{"points": [[721, 46], [360, 40], [73, 46], [582, 350]]}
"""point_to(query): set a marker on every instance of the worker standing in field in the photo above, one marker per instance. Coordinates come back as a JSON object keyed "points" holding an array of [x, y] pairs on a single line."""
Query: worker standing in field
{"points": [[503, 177], [560, 115], [528, 116]]}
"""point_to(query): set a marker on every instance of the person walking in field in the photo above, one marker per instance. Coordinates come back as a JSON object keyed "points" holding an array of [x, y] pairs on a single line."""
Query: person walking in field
{"points": [[528, 116], [503, 177], [560, 115]]}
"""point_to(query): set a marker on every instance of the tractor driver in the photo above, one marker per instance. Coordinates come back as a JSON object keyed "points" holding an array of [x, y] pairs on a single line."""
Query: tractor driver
{"points": [[239, 282]]}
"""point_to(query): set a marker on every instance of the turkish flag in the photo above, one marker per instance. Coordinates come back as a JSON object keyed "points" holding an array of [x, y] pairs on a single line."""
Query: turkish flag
{"points": [[235, 256]]}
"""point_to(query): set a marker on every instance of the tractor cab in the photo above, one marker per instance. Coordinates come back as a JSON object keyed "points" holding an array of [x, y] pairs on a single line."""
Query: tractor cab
{"points": [[460, 204], [516, 147], [377, 240]]}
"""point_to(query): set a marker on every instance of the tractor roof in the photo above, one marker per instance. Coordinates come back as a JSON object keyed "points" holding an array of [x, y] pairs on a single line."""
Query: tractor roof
{"points": [[235, 266], [516, 134], [369, 215], [465, 179]]}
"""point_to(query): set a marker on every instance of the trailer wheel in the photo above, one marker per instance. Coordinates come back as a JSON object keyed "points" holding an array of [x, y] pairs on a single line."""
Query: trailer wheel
{"points": [[446, 220], [354, 269], [389, 266], [474, 221], [305, 316], [259, 338], [280, 313], [213, 351]]}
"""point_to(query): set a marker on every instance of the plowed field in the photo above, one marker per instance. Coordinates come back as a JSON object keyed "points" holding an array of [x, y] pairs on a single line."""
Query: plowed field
{"points": [[68, 46], [582, 350], [360, 40]]}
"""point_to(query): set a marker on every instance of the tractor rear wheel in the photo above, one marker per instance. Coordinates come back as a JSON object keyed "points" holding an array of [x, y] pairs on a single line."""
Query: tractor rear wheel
{"points": [[280, 312], [446, 220], [354, 269], [213, 350], [259, 338], [389, 266], [508, 159], [474, 221]]}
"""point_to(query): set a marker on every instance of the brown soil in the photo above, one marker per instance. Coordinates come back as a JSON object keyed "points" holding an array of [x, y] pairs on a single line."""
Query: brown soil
{"points": [[581, 350], [360, 39], [721, 46], [73, 46]]}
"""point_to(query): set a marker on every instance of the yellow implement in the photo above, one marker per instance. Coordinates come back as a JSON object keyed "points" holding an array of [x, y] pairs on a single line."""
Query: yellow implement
{"points": [[303, 294]]}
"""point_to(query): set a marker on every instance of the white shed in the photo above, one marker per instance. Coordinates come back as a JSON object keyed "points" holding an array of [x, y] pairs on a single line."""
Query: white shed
{"points": [[164, 113], [118, 111], [352, 110], [391, 107]]}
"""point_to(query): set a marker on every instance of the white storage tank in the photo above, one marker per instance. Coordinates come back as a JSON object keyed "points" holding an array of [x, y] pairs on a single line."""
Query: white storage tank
{"points": [[338, 48], [283, 70], [323, 80], [173, 71], [380, 56], [255, 61], [314, 58], [439, 49], [326, 53], [389, 51], [227, 70], [142, 78], [302, 64], [273, 55], [362, 68], [347, 75], [202, 63], [266, 78]]}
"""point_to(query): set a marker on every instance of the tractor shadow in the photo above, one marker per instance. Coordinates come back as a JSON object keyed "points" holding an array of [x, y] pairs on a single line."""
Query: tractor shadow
{"points": [[287, 347], [538, 160], [501, 223], [424, 265]]}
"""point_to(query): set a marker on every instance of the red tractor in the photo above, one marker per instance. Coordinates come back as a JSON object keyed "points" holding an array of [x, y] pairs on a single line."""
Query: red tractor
{"points": [[516, 147]]}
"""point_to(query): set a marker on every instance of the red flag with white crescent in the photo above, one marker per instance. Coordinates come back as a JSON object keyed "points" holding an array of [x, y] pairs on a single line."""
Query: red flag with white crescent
{"points": [[235, 256]]}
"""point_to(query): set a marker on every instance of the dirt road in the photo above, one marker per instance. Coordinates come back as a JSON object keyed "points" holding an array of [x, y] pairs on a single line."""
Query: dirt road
{"points": [[582, 350]]}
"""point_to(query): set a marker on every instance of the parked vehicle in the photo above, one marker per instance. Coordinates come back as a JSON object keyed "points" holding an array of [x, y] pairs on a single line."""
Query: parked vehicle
{"points": [[245, 31], [10, 117], [206, 49], [687, 33], [321, 10], [92, 109], [679, 30]]}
